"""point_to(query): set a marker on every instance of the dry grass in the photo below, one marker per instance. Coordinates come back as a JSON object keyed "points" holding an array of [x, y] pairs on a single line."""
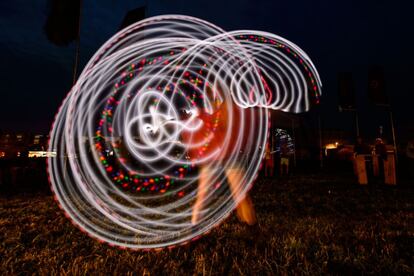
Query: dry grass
{"points": [[307, 225]]}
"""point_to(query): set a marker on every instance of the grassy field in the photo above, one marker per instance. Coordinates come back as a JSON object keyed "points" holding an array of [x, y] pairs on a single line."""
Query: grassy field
{"points": [[307, 224]]}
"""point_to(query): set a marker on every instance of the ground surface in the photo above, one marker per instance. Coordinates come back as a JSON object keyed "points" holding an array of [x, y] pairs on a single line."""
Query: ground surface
{"points": [[307, 224]]}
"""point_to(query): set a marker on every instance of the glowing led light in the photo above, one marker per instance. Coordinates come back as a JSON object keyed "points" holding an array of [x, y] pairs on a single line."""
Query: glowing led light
{"points": [[160, 99]]}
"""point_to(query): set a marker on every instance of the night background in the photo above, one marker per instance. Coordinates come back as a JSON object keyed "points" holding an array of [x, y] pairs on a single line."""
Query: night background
{"points": [[319, 218]]}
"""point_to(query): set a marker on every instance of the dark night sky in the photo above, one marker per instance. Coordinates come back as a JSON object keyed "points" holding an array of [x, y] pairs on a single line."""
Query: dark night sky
{"points": [[337, 35]]}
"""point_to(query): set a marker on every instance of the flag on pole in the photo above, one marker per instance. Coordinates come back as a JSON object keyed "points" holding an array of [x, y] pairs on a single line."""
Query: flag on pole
{"points": [[376, 86], [62, 23], [346, 92]]}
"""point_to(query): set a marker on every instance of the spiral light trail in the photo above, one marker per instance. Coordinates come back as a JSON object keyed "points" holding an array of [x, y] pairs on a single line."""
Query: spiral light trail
{"points": [[157, 91]]}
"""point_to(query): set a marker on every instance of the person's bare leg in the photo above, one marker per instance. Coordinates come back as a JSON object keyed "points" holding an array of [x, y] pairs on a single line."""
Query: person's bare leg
{"points": [[201, 193], [245, 209]]}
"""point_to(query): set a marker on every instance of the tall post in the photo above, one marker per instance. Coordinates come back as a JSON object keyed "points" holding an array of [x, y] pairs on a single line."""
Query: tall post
{"points": [[357, 123], [320, 141], [75, 70], [77, 47], [393, 135]]}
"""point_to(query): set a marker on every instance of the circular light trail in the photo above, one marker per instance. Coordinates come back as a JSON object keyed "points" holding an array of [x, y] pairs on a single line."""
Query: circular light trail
{"points": [[158, 101]]}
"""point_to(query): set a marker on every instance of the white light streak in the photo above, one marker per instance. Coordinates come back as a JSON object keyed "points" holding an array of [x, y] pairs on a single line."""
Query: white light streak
{"points": [[144, 98]]}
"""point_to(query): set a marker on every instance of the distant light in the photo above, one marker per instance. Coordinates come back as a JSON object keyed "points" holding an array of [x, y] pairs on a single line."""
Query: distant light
{"points": [[41, 153], [331, 146]]}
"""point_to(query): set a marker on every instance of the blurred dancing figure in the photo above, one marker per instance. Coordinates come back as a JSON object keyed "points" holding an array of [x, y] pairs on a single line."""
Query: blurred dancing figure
{"points": [[233, 171]]}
